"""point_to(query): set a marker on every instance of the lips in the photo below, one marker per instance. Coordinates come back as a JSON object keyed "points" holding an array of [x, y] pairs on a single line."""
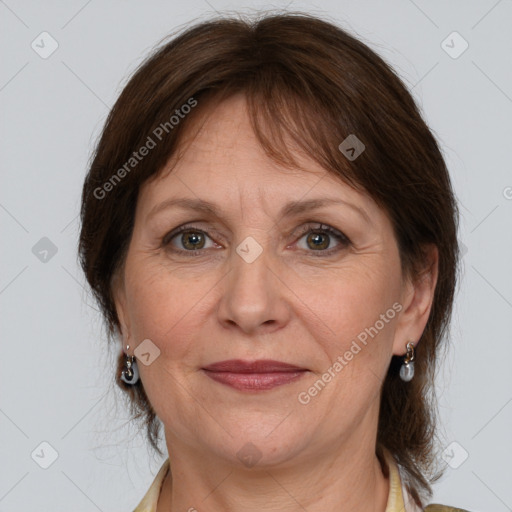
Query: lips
{"points": [[259, 366], [253, 375]]}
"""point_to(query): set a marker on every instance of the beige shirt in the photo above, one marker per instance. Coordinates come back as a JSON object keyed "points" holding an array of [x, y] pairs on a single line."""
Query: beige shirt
{"points": [[399, 499]]}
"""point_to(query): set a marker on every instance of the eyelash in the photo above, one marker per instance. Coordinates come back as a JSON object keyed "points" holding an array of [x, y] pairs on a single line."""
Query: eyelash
{"points": [[343, 239]]}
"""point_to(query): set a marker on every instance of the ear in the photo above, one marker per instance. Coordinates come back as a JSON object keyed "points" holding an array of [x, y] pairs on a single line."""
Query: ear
{"points": [[416, 301], [119, 296]]}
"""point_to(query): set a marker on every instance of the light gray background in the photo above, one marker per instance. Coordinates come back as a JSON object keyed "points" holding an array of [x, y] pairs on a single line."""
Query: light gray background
{"points": [[55, 373]]}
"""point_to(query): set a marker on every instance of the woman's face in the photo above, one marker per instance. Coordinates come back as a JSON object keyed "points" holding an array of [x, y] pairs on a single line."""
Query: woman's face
{"points": [[251, 282]]}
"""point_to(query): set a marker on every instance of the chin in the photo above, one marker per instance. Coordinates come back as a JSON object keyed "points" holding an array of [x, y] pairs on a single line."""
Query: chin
{"points": [[259, 448]]}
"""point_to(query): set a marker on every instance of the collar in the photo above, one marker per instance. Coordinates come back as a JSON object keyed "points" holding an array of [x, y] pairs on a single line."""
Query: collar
{"points": [[399, 499]]}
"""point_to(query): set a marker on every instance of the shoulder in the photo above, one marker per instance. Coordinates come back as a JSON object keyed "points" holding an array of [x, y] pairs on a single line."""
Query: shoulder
{"points": [[443, 508]]}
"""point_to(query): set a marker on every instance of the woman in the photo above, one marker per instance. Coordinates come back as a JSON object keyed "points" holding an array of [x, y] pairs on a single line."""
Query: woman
{"points": [[270, 230]]}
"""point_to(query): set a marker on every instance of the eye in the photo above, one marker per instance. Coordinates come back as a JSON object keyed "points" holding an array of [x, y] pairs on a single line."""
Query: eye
{"points": [[191, 239], [319, 239]]}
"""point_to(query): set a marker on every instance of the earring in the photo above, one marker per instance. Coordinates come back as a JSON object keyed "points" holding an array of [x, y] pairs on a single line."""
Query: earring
{"points": [[130, 373], [407, 368]]}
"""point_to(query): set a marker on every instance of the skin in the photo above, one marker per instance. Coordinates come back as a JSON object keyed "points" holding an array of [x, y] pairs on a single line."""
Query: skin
{"points": [[292, 304]]}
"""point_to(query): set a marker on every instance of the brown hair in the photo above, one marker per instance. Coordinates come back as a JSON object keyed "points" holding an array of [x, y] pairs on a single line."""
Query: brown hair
{"points": [[309, 80]]}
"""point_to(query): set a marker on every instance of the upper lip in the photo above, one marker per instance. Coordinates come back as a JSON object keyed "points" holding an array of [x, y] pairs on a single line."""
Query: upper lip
{"points": [[259, 366]]}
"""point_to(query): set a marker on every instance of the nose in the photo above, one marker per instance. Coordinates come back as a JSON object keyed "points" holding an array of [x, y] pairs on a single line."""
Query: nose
{"points": [[254, 294]]}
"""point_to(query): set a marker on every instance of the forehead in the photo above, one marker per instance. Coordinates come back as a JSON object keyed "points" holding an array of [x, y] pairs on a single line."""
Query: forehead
{"points": [[220, 158], [222, 137]]}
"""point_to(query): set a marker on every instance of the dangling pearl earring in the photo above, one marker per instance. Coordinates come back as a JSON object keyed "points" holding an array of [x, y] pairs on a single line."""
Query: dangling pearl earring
{"points": [[130, 373], [407, 368]]}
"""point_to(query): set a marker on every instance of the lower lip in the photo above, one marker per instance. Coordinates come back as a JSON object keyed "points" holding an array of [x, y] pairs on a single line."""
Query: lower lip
{"points": [[254, 381]]}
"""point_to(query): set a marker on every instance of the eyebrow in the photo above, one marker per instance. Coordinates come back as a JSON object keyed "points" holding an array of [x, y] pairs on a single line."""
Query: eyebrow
{"points": [[288, 210]]}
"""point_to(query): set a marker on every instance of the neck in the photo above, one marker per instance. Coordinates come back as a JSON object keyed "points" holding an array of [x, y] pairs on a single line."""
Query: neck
{"points": [[351, 477]]}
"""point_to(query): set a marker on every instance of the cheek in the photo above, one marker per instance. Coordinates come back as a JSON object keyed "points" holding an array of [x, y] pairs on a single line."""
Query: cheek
{"points": [[164, 308], [352, 301], [358, 309]]}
